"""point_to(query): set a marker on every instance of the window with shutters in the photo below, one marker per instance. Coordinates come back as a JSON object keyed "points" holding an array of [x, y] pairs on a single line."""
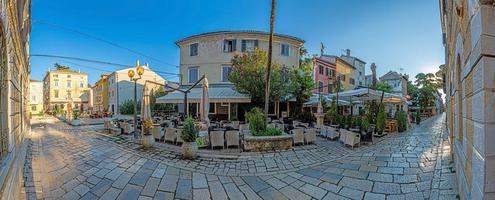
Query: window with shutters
{"points": [[249, 45], [320, 69], [229, 46], [193, 74]]}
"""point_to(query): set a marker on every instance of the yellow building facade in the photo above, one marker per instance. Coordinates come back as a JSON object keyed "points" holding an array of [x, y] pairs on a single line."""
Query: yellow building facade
{"points": [[64, 88], [100, 94]]}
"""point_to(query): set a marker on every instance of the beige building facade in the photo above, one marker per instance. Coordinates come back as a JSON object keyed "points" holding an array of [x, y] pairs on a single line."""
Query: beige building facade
{"points": [[15, 27], [211, 53], [36, 97], [344, 70], [64, 88], [469, 39]]}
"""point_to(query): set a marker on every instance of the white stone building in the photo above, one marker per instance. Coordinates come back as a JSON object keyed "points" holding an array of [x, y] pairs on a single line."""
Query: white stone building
{"points": [[15, 27], [469, 37], [121, 88], [360, 66]]}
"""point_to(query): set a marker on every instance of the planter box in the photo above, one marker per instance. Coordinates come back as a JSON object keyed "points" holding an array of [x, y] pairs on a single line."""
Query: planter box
{"points": [[267, 143]]}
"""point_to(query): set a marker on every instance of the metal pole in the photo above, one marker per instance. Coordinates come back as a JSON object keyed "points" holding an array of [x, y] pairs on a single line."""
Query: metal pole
{"points": [[186, 111], [135, 109]]}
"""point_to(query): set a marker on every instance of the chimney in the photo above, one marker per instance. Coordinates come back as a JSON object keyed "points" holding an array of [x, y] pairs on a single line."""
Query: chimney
{"points": [[348, 52]]}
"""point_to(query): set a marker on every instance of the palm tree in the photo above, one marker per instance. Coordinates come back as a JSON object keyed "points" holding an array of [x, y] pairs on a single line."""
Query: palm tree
{"points": [[269, 65]]}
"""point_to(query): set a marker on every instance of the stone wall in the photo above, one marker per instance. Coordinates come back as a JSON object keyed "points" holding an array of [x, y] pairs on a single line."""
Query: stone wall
{"points": [[469, 30], [267, 143], [15, 26]]}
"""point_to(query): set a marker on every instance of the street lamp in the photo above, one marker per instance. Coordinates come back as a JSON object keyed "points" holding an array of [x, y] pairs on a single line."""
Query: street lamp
{"points": [[131, 74]]}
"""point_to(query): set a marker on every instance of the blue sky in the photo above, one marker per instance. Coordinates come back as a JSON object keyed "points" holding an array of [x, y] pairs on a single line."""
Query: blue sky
{"points": [[391, 33]]}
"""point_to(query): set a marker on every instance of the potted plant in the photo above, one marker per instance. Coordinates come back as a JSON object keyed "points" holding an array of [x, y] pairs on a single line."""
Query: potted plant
{"points": [[75, 118], [402, 121], [189, 134], [381, 120], [357, 122], [418, 117], [365, 124], [348, 121], [148, 139]]}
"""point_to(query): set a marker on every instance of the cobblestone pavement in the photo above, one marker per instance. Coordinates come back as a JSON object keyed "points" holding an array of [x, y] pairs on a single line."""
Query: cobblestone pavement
{"points": [[67, 162]]}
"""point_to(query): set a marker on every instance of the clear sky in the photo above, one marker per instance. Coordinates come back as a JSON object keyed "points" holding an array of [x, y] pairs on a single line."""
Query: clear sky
{"points": [[391, 33]]}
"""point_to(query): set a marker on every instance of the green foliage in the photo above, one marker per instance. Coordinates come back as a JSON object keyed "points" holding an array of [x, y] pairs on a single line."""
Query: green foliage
{"points": [[257, 121], [306, 116], [333, 111], [383, 86], [60, 66], [30, 115], [348, 120], [365, 124], [418, 117], [342, 120], [76, 115], [301, 82], [402, 121], [381, 119], [58, 111], [248, 76], [270, 131], [190, 131], [127, 108], [159, 106], [357, 121]]}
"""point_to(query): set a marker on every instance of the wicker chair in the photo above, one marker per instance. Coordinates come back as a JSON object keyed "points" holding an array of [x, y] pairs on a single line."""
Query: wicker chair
{"points": [[343, 135], [352, 139], [232, 138], [128, 128], [298, 136], [178, 134], [157, 132], [332, 133], [169, 135], [243, 128], [310, 136], [217, 139], [323, 131], [235, 124]]}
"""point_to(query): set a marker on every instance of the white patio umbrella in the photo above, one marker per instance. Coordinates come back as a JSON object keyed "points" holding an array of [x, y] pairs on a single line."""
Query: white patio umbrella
{"points": [[205, 103], [145, 107]]}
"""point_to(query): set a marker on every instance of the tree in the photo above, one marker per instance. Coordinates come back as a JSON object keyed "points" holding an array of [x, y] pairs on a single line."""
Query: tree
{"points": [[159, 106], [127, 108], [60, 66], [332, 111], [269, 64], [383, 86], [301, 83], [248, 77], [428, 85]]}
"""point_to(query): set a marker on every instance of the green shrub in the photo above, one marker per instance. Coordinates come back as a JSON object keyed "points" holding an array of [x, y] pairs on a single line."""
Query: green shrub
{"points": [[257, 121], [341, 120], [127, 108], [269, 132], [348, 121], [418, 117], [381, 119], [75, 115], [402, 121], [365, 124], [306, 117], [357, 121], [190, 132]]}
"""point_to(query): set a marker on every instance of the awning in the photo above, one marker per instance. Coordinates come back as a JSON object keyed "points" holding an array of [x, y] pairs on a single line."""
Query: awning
{"points": [[217, 94], [366, 94], [313, 101]]}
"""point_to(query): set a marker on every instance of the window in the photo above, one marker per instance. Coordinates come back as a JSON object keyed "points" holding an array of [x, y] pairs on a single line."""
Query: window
{"points": [[229, 46], [351, 81], [285, 49], [55, 83], [55, 75], [81, 85], [342, 77], [226, 70], [55, 93], [69, 83], [330, 86], [33, 108], [360, 83], [212, 108], [113, 93], [326, 71], [69, 76], [193, 49], [331, 73], [33, 98], [360, 73], [320, 69], [249, 45], [193, 74], [320, 86]]}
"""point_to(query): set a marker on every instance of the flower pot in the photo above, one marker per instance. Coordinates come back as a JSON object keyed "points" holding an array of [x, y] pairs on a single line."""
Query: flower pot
{"points": [[76, 122], [189, 150], [148, 140]]}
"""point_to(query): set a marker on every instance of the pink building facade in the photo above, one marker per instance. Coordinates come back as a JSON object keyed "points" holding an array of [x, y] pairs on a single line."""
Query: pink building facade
{"points": [[323, 76]]}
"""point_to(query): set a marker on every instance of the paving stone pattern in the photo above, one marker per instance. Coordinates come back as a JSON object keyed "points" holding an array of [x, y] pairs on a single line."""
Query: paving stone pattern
{"points": [[65, 162]]}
